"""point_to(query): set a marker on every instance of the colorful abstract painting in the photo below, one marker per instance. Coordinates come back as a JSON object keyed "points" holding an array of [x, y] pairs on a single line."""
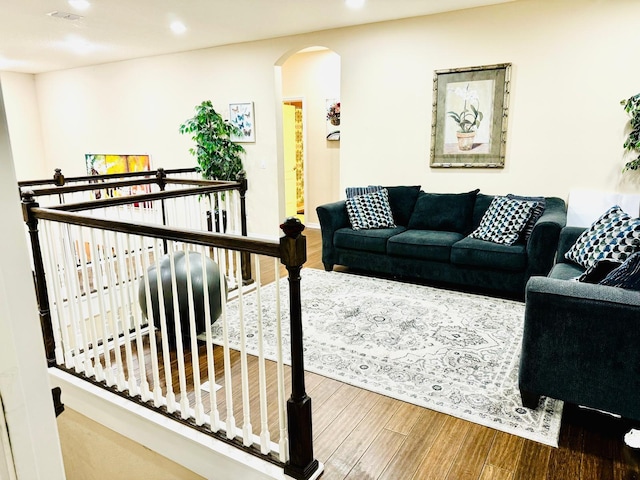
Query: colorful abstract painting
{"points": [[107, 164]]}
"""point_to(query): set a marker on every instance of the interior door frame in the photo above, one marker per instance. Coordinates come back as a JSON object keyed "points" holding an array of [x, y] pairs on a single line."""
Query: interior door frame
{"points": [[302, 100]]}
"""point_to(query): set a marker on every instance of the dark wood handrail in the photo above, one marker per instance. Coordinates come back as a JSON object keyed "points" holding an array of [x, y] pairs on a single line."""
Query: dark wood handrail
{"points": [[226, 240], [144, 197], [221, 185], [85, 178]]}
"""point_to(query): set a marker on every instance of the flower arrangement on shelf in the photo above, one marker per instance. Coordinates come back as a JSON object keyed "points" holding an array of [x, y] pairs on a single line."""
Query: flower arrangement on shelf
{"points": [[333, 113], [468, 120], [632, 143]]}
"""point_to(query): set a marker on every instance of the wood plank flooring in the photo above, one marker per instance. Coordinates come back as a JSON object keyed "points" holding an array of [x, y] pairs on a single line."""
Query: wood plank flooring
{"points": [[363, 435], [360, 435]]}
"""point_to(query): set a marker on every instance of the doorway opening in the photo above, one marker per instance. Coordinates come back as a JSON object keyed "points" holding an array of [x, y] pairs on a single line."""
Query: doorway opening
{"points": [[294, 155]]}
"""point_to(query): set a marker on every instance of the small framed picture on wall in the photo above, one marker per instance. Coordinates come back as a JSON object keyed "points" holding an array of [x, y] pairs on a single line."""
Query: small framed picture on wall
{"points": [[241, 115], [333, 118]]}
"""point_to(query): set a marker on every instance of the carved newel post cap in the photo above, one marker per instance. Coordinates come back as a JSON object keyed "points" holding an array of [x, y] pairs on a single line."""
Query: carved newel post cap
{"points": [[28, 196], [292, 227], [58, 177], [293, 246]]}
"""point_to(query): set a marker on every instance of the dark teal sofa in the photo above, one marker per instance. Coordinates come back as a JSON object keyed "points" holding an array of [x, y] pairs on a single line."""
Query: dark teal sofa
{"points": [[581, 340], [436, 248]]}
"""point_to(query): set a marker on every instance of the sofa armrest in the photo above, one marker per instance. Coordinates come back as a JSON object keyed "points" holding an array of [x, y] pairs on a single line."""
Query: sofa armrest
{"points": [[568, 237], [580, 344], [332, 216], [543, 241]]}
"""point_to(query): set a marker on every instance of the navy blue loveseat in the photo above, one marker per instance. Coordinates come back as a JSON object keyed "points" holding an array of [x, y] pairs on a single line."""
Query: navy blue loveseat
{"points": [[580, 340], [430, 242]]}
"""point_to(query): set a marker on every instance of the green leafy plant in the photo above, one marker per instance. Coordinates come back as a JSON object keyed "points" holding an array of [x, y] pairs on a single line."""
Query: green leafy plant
{"points": [[632, 143], [218, 157], [469, 118]]}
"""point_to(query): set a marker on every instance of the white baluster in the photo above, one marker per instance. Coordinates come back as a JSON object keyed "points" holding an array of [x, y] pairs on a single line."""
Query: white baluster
{"points": [[126, 316], [182, 381], [228, 381], [282, 414], [88, 352], [73, 295], [55, 297], [113, 311], [135, 253], [265, 436], [99, 266], [214, 414], [247, 431], [164, 336], [195, 358]]}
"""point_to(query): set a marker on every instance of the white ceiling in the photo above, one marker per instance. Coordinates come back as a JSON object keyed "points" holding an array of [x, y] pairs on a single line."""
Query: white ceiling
{"points": [[112, 30]]}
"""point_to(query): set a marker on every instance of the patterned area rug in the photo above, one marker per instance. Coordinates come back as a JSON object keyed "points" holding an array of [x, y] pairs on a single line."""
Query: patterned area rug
{"points": [[448, 351]]}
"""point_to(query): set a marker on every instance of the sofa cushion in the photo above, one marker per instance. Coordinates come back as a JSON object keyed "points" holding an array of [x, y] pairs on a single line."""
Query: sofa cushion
{"points": [[566, 271], [615, 236], [480, 207], [370, 210], [402, 200], [450, 212], [365, 240], [626, 275], [494, 256], [423, 244], [504, 220]]}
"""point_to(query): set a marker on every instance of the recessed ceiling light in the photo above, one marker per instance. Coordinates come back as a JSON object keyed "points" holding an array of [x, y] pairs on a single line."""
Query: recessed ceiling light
{"points": [[354, 3], [177, 27], [79, 4]]}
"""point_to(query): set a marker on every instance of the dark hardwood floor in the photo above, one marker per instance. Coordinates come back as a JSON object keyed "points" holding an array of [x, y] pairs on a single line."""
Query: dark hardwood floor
{"points": [[363, 435]]}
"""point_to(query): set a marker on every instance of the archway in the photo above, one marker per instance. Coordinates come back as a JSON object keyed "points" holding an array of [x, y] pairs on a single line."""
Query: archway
{"points": [[309, 82]]}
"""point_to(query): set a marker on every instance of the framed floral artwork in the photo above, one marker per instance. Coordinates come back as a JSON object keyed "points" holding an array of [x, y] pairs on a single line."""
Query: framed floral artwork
{"points": [[241, 115], [470, 110], [333, 118]]}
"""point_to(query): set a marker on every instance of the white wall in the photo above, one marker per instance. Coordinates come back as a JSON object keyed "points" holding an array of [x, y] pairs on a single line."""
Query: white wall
{"points": [[315, 76], [573, 61], [21, 104], [24, 384]]}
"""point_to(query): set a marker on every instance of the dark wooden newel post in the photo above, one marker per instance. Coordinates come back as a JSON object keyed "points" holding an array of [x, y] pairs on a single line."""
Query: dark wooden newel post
{"points": [[245, 256], [293, 254], [161, 177], [28, 202]]}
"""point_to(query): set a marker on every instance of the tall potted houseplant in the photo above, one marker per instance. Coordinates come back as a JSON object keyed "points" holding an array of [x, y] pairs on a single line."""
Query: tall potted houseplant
{"points": [[218, 157]]}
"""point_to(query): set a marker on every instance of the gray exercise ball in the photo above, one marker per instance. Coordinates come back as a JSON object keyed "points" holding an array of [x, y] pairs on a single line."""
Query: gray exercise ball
{"points": [[195, 266]]}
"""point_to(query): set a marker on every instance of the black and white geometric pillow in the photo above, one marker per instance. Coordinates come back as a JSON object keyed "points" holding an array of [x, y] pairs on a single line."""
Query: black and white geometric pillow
{"points": [[504, 220], [614, 236], [354, 191], [371, 210], [538, 210]]}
